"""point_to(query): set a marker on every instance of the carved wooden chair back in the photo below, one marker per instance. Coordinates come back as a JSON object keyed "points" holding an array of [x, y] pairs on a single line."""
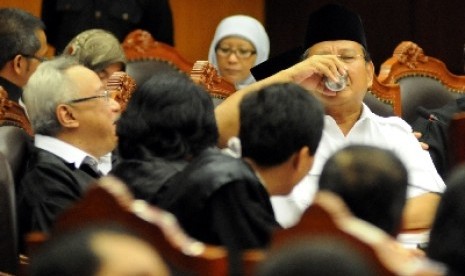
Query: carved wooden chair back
{"points": [[205, 74], [424, 80], [142, 51]]}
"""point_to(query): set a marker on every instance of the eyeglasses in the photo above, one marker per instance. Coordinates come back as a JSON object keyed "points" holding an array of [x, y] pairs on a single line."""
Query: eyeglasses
{"points": [[240, 53], [107, 95], [346, 58], [40, 59]]}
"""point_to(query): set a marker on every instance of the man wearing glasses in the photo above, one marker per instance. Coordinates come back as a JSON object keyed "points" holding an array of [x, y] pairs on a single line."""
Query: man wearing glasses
{"points": [[73, 118], [23, 46]]}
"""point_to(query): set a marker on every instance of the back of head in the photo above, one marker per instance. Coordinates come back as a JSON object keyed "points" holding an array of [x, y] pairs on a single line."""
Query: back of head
{"points": [[170, 117], [319, 256], [372, 182], [97, 250], [48, 87], [96, 49], [447, 235], [245, 27], [278, 121], [18, 34]]}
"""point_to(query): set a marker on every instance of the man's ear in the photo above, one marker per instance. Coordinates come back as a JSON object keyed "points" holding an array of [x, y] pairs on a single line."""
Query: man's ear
{"points": [[18, 64], [370, 68], [302, 161], [66, 116]]}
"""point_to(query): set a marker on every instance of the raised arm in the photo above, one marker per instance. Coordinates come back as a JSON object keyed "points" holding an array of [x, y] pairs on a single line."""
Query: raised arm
{"points": [[307, 73]]}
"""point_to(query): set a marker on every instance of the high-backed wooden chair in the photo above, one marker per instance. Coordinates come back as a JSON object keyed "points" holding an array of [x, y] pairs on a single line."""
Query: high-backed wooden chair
{"points": [[384, 99], [124, 85], [9, 255], [145, 56], [205, 74], [424, 80], [12, 114], [109, 201], [14, 145], [328, 217]]}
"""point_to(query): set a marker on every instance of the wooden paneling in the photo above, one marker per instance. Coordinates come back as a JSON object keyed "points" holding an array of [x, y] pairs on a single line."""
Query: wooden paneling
{"points": [[438, 26], [32, 6], [195, 22]]}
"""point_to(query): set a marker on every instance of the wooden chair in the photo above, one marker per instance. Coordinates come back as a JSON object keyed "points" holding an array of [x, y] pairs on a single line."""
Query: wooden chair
{"points": [[205, 74], [9, 254], [144, 54], [424, 80], [109, 201], [124, 85], [14, 145], [329, 217], [384, 99], [12, 114]]}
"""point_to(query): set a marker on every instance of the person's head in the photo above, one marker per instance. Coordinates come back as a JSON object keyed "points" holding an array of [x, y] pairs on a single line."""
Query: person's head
{"points": [[371, 181], [97, 251], [334, 29], [240, 42], [68, 101], [317, 256], [98, 50], [281, 123], [23, 44], [447, 235], [169, 117]]}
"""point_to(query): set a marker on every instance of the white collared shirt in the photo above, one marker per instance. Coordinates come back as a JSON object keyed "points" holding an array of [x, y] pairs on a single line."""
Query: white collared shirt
{"points": [[70, 153], [389, 133]]}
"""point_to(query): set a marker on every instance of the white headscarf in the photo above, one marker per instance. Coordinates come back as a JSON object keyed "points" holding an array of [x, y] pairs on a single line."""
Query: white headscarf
{"points": [[248, 28]]}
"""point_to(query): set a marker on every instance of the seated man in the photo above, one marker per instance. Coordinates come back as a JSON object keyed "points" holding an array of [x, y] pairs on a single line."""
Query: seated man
{"points": [[74, 123], [371, 181], [335, 46], [97, 251], [223, 200], [22, 48]]}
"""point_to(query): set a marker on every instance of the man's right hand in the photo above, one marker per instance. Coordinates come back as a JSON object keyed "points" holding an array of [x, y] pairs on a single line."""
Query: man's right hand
{"points": [[422, 144]]}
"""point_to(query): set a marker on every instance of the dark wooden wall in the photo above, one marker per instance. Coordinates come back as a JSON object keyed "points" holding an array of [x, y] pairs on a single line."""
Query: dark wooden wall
{"points": [[437, 26]]}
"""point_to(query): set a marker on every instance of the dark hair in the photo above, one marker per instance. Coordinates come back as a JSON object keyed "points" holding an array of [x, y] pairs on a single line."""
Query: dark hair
{"points": [[170, 117], [316, 256], [372, 182], [277, 121], [70, 253], [18, 34], [447, 235]]}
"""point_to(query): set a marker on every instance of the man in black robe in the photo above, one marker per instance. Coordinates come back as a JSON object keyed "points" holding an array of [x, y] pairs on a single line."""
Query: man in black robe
{"points": [[223, 200], [73, 118]]}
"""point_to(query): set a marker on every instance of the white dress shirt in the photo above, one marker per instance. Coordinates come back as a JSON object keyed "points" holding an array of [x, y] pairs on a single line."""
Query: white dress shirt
{"points": [[390, 133]]}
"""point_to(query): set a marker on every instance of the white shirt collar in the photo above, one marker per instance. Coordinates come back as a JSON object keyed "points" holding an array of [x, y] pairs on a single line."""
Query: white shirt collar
{"points": [[68, 152]]}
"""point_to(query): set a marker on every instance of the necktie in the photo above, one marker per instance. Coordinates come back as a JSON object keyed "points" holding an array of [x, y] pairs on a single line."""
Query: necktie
{"points": [[89, 164]]}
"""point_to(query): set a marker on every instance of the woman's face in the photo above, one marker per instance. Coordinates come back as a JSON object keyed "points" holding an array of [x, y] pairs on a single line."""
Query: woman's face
{"points": [[235, 57]]}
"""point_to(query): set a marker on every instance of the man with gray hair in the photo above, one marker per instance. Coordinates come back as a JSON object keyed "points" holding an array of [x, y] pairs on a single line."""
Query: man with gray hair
{"points": [[23, 46], [73, 118]]}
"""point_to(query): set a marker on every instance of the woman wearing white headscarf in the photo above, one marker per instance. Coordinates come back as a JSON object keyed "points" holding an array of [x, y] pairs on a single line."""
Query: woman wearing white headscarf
{"points": [[240, 42]]}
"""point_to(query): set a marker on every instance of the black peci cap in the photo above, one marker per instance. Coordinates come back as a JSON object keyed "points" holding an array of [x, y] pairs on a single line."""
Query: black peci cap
{"points": [[330, 22]]}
